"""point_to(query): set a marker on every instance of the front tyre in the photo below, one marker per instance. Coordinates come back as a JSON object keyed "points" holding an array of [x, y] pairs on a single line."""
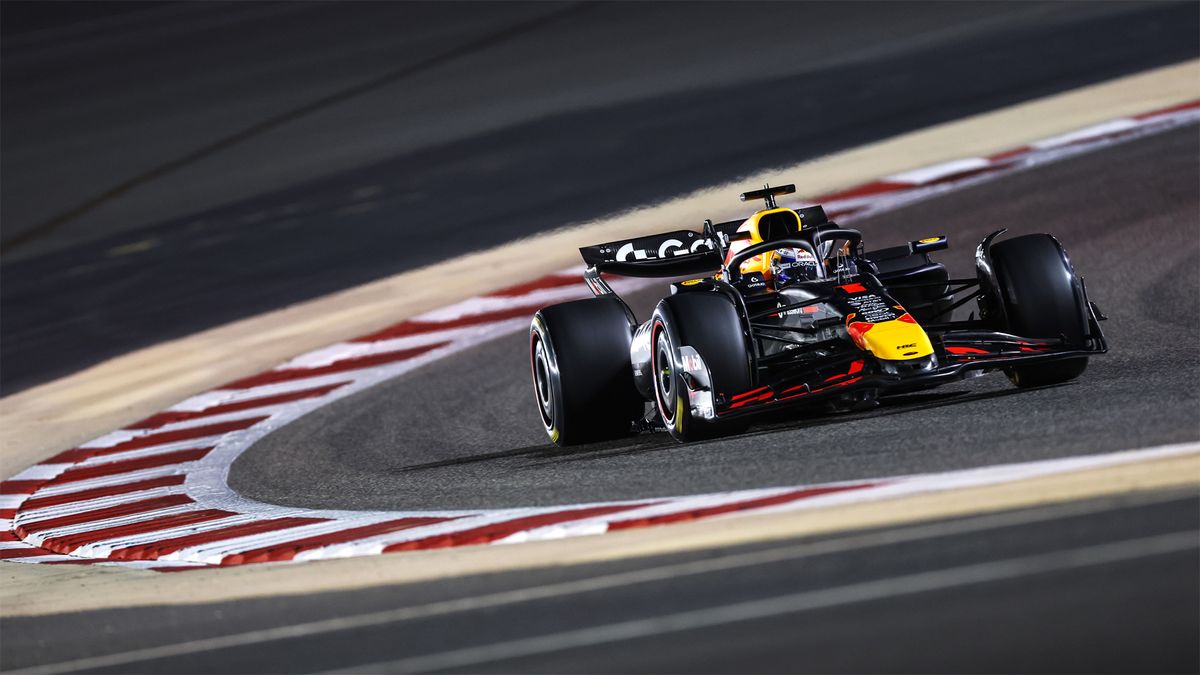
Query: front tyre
{"points": [[708, 323], [582, 377], [1042, 299]]}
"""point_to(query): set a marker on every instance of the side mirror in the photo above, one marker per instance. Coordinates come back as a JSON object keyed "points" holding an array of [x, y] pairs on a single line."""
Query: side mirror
{"points": [[929, 244]]}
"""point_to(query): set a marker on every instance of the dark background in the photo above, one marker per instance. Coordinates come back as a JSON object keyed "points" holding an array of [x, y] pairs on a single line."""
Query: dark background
{"points": [[172, 166]]}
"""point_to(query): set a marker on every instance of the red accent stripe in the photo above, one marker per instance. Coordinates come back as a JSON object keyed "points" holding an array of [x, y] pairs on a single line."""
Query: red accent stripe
{"points": [[761, 397], [289, 374], [125, 466], [171, 417], [289, 550], [856, 329], [68, 543], [10, 553], [8, 513], [815, 391], [545, 283], [20, 487], [762, 502], [8, 535], [748, 393], [959, 175], [150, 440], [1009, 154], [868, 190], [406, 328], [1166, 111], [488, 533], [132, 508], [155, 550], [854, 288], [107, 491], [966, 350]]}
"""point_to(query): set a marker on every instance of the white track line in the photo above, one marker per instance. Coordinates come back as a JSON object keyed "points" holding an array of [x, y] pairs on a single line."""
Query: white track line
{"points": [[206, 478], [31, 516], [114, 480], [40, 536], [723, 563], [868, 591]]}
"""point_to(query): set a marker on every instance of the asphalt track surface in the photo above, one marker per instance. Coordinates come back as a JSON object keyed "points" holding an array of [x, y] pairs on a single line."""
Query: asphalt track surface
{"points": [[175, 170], [1099, 586], [1102, 586], [464, 432]]}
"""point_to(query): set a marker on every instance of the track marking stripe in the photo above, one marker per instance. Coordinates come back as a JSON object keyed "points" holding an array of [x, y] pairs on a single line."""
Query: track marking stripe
{"points": [[113, 468], [725, 562], [19, 487], [804, 601], [415, 326], [276, 376], [126, 509], [168, 546], [289, 550], [552, 281], [84, 495], [57, 489], [172, 417], [36, 538], [68, 543], [488, 533], [29, 515], [762, 502], [78, 498]]}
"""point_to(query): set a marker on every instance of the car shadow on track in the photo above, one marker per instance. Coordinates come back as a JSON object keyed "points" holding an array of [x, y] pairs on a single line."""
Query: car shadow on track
{"points": [[543, 455]]}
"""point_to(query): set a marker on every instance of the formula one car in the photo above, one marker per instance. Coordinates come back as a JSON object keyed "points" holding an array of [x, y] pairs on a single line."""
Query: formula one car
{"points": [[787, 308]]}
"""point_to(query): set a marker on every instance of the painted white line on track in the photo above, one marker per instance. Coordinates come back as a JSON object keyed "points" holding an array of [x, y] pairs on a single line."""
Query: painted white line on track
{"points": [[723, 563], [348, 368], [105, 481], [153, 450], [38, 537], [868, 591], [939, 171], [40, 472], [103, 547], [30, 516]]}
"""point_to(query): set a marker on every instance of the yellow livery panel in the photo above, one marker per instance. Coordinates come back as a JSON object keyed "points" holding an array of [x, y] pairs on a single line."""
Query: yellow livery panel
{"points": [[897, 340]]}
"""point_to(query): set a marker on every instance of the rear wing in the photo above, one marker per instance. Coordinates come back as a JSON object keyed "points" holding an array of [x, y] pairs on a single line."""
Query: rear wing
{"points": [[670, 254], [682, 252]]}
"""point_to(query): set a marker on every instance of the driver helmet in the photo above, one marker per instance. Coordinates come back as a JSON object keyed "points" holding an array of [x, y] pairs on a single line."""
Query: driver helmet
{"points": [[792, 265]]}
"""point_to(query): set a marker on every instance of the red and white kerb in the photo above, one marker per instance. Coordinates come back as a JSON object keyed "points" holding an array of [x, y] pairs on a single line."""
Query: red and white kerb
{"points": [[154, 494]]}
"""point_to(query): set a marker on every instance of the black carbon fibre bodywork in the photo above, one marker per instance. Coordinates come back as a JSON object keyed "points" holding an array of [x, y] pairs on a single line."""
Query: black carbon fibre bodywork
{"points": [[803, 342]]}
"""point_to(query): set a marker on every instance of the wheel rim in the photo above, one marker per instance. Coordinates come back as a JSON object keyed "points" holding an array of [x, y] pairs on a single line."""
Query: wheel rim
{"points": [[541, 381], [664, 378]]}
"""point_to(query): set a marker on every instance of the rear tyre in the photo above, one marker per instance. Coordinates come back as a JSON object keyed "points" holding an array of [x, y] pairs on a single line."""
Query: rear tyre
{"points": [[1041, 299], [582, 376], [708, 323]]}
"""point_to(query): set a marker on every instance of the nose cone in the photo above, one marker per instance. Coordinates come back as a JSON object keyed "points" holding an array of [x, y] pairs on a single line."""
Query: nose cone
{"points": [[897, 340]]}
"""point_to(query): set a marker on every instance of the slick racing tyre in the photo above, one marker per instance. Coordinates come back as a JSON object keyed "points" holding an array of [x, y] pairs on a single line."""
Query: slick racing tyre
{"points": [[708, 323], [1041, 299], [582, 376]]}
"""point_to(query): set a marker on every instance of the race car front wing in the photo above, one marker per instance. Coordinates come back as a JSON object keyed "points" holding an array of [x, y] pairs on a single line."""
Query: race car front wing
{"points": [[957, 354]]}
